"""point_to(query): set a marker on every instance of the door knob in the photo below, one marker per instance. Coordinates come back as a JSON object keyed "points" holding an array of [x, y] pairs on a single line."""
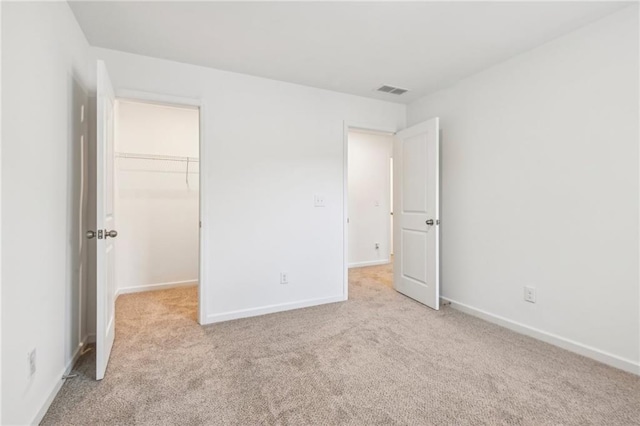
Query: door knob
{"points": [[90, 234], [429, 222], [111, 234]]}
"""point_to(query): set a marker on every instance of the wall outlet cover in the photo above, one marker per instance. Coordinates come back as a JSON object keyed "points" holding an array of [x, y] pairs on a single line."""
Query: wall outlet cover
{"points": [[530, 294], [31, 358]]}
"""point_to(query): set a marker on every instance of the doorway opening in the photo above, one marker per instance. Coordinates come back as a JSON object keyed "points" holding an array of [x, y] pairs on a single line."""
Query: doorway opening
{"points": [[369, 189], [157, 206]]}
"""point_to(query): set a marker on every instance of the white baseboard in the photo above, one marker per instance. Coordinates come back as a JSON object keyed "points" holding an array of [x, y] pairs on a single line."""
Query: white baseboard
{"points": [[60, 381], [253, 312], [369, 263], [153, 287], [568, 344]]}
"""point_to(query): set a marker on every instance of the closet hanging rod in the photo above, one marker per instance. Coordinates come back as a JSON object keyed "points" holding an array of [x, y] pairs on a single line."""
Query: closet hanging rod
{"points": [[156, 157]]}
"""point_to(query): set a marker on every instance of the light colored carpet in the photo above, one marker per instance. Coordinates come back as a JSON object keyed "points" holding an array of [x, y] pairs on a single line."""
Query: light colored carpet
{"points": [[379, 358]]}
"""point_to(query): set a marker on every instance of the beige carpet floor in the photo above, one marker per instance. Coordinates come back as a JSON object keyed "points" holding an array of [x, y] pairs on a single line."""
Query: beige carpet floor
{"points": [[379, 358]]}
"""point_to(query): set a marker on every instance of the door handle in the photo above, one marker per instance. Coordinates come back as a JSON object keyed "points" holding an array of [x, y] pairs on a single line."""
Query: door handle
{"points": [[93, 234], [429, 222]]}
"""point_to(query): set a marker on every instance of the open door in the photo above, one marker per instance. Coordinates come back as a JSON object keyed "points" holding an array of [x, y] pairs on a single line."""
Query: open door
{"points": [[416, 155], [105, 222]]}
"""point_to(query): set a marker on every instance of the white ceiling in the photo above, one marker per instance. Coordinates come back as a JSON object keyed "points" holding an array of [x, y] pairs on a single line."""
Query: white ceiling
{"points": [[346, 47]]}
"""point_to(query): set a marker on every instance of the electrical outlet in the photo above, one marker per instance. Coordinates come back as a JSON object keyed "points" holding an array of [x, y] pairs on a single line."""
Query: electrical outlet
{"points": [[31, 359], [530, 294], [318, 200], [284, 278]]}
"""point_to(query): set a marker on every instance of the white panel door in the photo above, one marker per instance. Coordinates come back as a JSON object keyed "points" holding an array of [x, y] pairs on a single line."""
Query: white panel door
{"points": [[105, 222], [416, 212]]}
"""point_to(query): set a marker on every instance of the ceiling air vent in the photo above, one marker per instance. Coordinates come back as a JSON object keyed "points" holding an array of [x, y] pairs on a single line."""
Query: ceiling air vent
{"points": [[392, 90]]}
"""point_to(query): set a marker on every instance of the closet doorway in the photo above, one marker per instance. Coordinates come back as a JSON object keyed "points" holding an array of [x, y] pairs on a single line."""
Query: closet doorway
{"points": [[157, 206]]}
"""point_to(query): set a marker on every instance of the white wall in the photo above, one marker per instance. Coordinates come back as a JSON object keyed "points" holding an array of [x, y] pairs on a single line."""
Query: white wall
{"points": [[540, 188], [44, 60], [0, 212], [156, 209], [269, 147], [369, 198]]}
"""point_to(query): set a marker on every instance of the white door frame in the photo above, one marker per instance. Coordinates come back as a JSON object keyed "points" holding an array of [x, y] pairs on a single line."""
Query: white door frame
{"points": [[348, 125], [140, 96]]}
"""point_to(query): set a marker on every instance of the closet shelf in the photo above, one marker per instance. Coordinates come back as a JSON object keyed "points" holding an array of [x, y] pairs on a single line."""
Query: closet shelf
{"points": [[156, 157]]}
